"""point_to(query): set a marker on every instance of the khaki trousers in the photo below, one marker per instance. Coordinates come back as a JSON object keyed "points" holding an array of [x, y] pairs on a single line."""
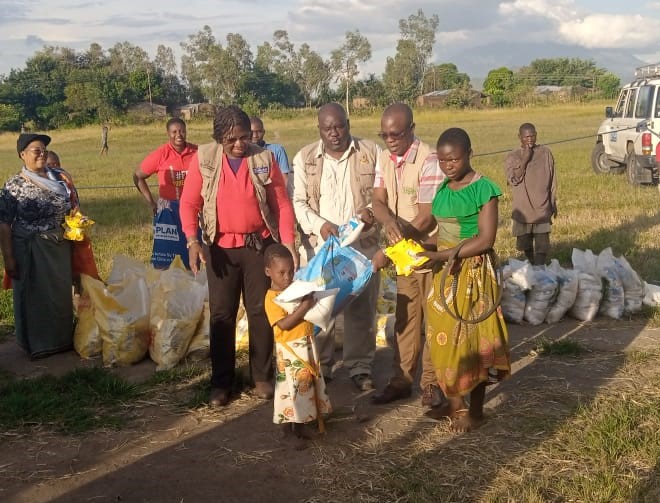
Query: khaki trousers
{"points": [[409, 341]]}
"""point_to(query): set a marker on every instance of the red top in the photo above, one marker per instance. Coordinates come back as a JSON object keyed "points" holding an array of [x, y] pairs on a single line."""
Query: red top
{"points": [[172, 168], [237, 205]]}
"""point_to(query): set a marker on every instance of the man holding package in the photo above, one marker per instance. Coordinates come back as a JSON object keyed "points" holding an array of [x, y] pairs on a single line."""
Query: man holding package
{"points": [[407, 178], [333, 181]]}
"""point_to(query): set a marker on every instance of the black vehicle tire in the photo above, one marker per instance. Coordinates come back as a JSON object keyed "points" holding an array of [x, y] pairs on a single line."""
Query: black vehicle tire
{"points": [[601, 164], [632, 168]]}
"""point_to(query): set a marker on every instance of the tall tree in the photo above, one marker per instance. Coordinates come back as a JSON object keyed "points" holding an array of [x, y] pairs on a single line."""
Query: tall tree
{"points": [[313, 75], [404, 73], [344, 61], [498, 86], [421, 31], [444, 76]]}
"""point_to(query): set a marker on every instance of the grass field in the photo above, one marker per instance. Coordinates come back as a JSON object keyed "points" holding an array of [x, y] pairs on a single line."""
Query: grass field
{"points": [[605, 450]]}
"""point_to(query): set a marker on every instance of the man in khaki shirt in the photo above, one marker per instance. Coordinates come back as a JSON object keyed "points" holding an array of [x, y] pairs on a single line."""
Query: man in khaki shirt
{"points": [[333, 181]]}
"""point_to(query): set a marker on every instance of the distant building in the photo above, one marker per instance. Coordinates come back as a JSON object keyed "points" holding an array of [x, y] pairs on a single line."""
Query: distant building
{"points": [[439, 98], [561, 93], [145, 108], [187, 112]]}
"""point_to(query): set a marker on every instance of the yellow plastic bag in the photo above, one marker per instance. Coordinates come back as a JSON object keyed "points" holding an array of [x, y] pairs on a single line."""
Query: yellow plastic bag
{"points": [[199, 347], [404, 255], [76, 226], [87, 339], [177, 302], [122, 313]]}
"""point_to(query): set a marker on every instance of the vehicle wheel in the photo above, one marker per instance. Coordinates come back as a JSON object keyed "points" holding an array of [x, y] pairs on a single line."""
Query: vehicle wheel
{"points": [[632, 168], [603, 165]]}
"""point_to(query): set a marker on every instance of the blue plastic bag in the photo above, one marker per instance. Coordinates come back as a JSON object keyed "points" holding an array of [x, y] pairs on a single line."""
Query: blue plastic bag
{"points": [[169, 239], [336, 266]]}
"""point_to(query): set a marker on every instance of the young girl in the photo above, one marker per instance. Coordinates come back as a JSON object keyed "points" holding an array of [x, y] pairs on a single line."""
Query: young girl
{"points": [[464, 350], [300, 395]]}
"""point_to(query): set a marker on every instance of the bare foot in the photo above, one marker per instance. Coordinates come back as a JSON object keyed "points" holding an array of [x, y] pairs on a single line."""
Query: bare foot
{"points": [[302, 431], [444, 411], [462, 421]]}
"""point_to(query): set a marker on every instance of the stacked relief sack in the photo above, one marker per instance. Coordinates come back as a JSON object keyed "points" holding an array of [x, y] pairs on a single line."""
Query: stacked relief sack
{"points": [[612, 304], [518, 277], [177, 302], [541, 296], [590, 288], [567, 283], [633, 287], [121, 311]]}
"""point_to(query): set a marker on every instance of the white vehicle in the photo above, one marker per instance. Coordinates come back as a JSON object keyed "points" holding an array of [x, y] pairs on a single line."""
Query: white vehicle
{"points": [[628, 137]]}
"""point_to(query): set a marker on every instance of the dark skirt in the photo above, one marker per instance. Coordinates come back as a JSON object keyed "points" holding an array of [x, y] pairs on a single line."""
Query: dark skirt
{"points": [[43, 308]]}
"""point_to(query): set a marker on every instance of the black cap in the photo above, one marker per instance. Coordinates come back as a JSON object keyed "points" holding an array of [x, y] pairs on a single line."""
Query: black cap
{"points": [[24, 139]]}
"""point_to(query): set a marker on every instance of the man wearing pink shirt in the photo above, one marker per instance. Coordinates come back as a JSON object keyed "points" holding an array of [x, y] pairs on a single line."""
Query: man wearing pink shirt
{"points": [[237, 189]]}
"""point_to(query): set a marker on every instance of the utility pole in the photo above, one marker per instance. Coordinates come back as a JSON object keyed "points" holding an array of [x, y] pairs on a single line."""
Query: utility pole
{"points": [[347, 109], [151, 103]]}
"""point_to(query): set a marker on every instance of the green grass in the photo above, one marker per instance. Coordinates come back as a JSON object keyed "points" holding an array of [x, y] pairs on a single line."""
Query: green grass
{"points": [[79, 401], [561, 347]]}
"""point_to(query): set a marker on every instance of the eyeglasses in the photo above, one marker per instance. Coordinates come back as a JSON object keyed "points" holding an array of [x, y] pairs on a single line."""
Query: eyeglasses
{"points": [[242, 139], [38, 151], [395, 136]]}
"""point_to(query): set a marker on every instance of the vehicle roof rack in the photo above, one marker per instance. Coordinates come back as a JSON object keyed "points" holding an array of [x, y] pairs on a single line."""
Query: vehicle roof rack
{"points": [[648, 71]]}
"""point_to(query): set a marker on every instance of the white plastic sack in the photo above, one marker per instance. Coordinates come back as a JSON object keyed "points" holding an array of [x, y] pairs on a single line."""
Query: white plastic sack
{"points": [[567, 282], [541, 296], [590, 287], [513, 302], [633, 286], [520, 272], [651, 295], [176, 307], [321, 314], [612, 303]]}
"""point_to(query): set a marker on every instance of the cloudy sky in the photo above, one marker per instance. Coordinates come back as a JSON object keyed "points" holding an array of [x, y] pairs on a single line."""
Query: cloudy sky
{"points": [[476, 35]]}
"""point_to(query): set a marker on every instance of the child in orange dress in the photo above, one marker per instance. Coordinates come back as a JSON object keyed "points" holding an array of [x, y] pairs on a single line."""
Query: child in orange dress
{"points": [[300, 395]]}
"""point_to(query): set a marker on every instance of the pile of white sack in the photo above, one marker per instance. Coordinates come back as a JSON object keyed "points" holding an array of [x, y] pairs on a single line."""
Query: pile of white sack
{"points": [[597, 284]]}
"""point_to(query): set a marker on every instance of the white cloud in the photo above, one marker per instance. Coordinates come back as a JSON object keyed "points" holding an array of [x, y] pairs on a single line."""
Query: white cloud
{"points": [[612, 31]]}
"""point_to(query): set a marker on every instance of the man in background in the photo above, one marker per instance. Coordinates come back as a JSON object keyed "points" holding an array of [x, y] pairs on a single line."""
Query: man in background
{"points": [[258, 133], [104, 139], [530, 172]]}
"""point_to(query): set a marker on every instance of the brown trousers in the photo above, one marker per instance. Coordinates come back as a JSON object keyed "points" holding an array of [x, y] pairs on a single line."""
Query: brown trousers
{"points": [[409, 342]]}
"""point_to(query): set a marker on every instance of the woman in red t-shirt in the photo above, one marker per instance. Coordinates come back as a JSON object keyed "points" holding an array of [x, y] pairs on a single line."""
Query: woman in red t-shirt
{"points": [[171, 162]]}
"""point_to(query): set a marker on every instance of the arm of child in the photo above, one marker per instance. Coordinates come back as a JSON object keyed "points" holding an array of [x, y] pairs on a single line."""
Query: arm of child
{"points": [[292, 320]]}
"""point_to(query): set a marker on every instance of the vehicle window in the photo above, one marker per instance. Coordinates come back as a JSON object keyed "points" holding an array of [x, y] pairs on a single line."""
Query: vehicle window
{"points": [[618, 111], [630, 106], [644, 102], [657, 104]]}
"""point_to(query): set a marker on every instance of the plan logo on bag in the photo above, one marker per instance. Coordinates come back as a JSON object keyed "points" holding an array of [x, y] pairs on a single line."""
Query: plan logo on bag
{"points": [[166, 232], [260, 170]]}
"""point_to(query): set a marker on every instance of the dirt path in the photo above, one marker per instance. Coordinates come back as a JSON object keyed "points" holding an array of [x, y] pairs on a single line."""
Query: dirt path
{"points": [[171, 455]]}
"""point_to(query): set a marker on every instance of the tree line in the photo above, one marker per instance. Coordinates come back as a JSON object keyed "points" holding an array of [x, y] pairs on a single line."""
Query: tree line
{"points": [[61, 86]]}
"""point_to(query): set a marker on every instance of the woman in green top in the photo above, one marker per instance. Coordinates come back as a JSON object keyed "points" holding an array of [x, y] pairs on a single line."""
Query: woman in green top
{"points": [[464, 352]]}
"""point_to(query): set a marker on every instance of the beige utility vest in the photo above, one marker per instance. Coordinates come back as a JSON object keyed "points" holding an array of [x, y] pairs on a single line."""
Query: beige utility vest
{"points": [[259, 162], [362, 165], [402, 196]]}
